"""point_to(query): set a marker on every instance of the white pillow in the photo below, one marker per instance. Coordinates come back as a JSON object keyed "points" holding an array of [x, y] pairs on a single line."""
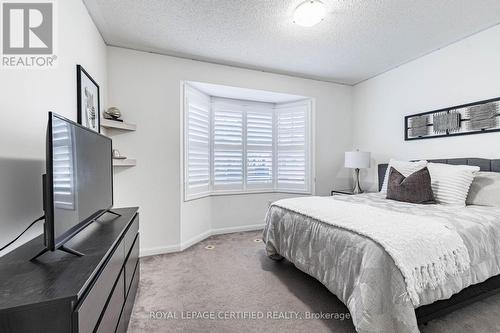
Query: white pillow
{"points": [[451, 183], [406, 169], [485, 190]]}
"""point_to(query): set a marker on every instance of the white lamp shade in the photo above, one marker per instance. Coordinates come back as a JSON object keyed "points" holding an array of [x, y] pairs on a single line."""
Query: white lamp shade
{"points": [[357, 159]]}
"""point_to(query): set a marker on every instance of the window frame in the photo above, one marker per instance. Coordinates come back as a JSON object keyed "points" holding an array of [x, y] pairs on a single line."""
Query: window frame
{"points": [[308, 147], [198, 96], [270, 186], [226, 105], [249, 106]]}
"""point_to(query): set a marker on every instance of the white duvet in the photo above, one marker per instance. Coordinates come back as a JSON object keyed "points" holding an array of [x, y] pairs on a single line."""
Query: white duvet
{"points": [[425, 249]]}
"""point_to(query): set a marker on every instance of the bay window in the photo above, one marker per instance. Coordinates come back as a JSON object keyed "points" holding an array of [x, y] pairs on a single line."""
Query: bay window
{"points": [[238, 146]]}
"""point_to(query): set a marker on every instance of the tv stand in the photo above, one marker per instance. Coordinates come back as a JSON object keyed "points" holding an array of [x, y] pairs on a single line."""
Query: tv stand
{"points": [[71, 251], [62, 248], [68, 249], [112, 212], [61, 294]]}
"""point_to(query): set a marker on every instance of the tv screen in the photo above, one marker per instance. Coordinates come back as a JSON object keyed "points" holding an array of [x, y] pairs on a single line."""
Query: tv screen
{"points": [[79, 180]]}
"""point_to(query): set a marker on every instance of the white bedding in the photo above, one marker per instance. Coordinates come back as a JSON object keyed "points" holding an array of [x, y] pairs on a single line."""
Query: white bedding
{"points": [[362, 274], [425, 249]]}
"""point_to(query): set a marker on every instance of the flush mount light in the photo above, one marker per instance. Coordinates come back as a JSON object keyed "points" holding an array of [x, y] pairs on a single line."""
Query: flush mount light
{"points": [[309, 13]]}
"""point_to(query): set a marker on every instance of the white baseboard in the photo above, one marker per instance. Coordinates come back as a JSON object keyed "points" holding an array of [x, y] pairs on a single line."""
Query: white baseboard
{"points": [[159, 250], [228, 230], [194, 240]]}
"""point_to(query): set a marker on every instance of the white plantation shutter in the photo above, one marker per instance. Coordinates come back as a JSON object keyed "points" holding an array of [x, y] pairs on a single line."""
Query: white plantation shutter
{"points": [[236, 146], [227, 147], [63, 165], [197, 140], [259, 149], [293, 160]]}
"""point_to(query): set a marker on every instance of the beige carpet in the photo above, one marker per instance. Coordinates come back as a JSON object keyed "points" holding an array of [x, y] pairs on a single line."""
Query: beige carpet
{"points": [[232, 286]]}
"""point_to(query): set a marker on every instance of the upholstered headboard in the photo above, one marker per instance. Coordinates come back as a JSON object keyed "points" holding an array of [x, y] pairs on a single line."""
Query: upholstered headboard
{"points": [[483, 163]]}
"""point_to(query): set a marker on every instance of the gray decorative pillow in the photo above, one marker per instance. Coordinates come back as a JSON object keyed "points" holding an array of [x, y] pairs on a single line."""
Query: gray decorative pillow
{"points": [[416, 188], [485, 190]]}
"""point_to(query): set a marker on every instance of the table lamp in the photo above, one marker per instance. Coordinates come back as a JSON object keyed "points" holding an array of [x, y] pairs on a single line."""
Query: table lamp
{"points": [[357, 160]]}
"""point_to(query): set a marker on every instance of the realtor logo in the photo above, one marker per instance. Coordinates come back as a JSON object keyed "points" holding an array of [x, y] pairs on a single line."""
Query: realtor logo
{"points": [[28, 34]]}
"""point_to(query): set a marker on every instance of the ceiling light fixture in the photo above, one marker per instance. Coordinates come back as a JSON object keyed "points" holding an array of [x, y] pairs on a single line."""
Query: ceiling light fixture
{"points": [[309, 13]]}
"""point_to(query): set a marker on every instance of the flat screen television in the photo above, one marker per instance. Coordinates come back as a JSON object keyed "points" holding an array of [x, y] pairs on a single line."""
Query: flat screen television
{"points": [[78, 183]]}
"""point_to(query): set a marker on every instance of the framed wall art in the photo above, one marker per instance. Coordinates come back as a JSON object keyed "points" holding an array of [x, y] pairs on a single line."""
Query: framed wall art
{"points": [[88, 100], [474, 118]]}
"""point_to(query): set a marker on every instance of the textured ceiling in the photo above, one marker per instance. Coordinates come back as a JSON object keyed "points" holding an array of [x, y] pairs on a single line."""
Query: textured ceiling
{"points": [[244, 93], [357, 40]]}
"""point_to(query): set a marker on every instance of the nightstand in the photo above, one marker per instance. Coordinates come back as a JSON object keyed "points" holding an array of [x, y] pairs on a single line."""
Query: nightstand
{"points": [[346, 192], [341, 192]]}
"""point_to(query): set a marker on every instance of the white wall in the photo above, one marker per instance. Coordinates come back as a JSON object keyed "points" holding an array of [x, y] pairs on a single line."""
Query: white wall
{"points": [[195, 221], [26, 97], [242, 210], [464, 72], [147, 88]]}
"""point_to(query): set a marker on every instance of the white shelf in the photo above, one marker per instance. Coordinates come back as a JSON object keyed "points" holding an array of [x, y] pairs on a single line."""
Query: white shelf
{"points": [[106, 123], [129, 162]]}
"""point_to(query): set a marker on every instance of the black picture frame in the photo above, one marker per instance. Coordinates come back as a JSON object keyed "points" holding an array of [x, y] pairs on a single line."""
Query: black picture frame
{"points": [[82, 76], [406, 127]]}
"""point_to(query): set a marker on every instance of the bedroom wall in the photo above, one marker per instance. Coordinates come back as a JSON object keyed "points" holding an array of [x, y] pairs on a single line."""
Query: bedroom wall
{"points": [[26, 97], [464, 72], [147, 89], [226, 210]]}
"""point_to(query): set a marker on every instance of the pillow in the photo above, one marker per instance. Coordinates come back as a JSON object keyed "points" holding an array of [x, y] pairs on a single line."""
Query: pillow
{"points": [[485, 190], [451, 183], [406, 169], [416, 188]]}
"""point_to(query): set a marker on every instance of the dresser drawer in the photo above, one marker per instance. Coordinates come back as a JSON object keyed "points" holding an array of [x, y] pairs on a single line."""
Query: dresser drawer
{"points": [[111, 315], [130, 263], [128, 239], [90, 308], [129, 301]]}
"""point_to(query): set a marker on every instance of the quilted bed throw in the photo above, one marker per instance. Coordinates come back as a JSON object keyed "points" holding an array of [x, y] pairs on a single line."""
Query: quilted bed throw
{"points": [[425, 249]]}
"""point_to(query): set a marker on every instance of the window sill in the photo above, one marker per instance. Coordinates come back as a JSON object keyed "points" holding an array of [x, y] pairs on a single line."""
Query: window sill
{"points": [[226, 193]]}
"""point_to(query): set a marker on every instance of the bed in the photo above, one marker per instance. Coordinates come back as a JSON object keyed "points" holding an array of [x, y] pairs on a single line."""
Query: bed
{"points": [[364, 276]]}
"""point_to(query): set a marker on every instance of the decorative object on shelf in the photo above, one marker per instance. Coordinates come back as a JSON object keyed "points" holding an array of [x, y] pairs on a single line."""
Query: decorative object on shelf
{"points": [[357, 160], [117, 155], [111, 121], [473, 118], [88, 100], [113, 113]]}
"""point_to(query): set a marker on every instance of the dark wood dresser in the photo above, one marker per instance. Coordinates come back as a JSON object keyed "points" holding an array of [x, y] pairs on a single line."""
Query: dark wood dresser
{"points": [[60, 292]]}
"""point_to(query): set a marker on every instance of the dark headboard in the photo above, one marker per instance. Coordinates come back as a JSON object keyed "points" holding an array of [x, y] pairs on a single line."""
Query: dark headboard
{"points": [[483, 163]]}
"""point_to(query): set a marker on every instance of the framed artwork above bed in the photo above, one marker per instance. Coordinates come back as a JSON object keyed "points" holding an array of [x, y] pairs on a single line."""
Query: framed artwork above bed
{"points": [[474, 118]]}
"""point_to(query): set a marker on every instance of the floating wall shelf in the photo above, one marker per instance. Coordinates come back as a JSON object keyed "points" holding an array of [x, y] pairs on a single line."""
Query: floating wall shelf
{"points": [[129, 162], [106, 123]]}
